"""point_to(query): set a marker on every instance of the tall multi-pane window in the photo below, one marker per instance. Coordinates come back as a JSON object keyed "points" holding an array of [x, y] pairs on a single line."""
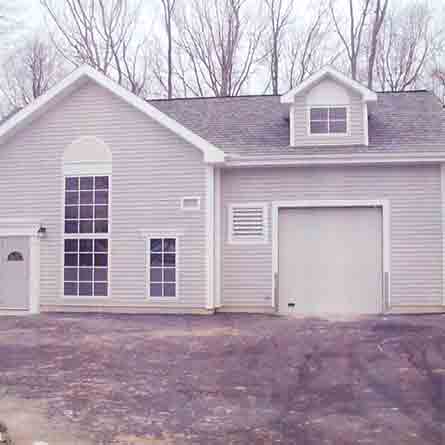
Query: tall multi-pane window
{"points": [[162, 267], [86, 243]]}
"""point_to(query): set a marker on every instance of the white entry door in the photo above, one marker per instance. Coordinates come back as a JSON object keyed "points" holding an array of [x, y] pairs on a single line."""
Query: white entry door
{"points": [[14, 273], [330, 260]]}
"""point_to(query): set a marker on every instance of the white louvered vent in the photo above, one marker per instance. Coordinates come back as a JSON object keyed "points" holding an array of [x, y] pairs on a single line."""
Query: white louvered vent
{"points": [[247, 223]]}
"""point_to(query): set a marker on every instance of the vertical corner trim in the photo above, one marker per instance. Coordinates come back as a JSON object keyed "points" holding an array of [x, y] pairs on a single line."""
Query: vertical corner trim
{"points": [[218, 238], [210, 236], [442, 208], [365, 124]]}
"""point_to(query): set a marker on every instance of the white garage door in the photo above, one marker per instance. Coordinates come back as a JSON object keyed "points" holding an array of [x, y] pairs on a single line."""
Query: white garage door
{"points": [[330, 260]]}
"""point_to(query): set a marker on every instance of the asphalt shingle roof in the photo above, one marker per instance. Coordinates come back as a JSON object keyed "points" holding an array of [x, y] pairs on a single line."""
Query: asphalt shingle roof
{"points": [[259, 125]]}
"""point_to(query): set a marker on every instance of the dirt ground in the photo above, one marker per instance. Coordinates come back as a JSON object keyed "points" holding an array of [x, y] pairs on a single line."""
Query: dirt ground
{"points": [[226, 379]]}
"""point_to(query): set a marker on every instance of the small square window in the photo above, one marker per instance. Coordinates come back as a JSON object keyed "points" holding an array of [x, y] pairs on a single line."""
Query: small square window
{"points": [[101, 182], [169, 245], [86, 245], [156, 245], [70, 289], [100, 274], [101, 245], [156, 290], [71, 245], [71, 198], [71, 212], [85, 289], [71, 259], [71, 227], [70, 274], [86, 226], [86, 183], [86, 197], [71, 183], [85, 274], [86, 259], [100, 259], [101, 226], [86, 211], [100, 289]]}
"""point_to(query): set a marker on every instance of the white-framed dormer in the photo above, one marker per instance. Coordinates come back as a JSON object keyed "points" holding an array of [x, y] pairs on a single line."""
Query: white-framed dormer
{"points": [[329, 90]]}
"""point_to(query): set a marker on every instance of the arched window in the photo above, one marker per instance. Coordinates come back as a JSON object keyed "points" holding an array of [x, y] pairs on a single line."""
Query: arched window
{"points": [[87, 171], [15, 256]]}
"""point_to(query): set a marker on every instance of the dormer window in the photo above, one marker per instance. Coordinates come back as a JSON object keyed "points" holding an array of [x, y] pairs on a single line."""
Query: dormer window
{"points": [[328, 120]]}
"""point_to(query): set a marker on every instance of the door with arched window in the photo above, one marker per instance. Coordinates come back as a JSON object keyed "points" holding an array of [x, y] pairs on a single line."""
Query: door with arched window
{"points": [[14, 273]]}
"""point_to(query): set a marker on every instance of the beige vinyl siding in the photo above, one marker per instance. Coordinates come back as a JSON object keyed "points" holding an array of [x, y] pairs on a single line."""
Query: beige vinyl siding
{"points": [[416, 240], [301, 124], [152, 170]]}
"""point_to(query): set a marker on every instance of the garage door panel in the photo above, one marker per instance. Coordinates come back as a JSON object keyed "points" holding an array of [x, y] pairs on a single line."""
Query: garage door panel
{"points": [[330, 260]]}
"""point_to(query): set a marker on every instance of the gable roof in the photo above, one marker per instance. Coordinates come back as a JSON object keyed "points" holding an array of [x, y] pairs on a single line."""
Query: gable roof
{"points": [[250, 126], [80, 76], [328, 72]]}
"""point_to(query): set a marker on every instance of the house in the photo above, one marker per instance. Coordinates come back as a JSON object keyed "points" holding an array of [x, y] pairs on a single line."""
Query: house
{"points": [[327, 199]]}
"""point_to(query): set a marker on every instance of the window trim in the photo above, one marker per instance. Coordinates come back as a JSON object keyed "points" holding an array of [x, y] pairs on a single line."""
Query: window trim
{"points": [[265, 238], [329, 134], [162, 235], [191, 209], [92, 298]]}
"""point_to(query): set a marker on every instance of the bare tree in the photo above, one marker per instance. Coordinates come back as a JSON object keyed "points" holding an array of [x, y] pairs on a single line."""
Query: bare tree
{"points": [[306, 47], [381, 7], [352, 37], [219, 40], [278, 17], [169, 9], [30, 71], [101, 33], [405, 45]]}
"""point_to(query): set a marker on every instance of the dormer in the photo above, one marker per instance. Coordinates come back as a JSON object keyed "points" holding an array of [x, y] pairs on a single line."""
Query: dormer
{"points": [[328, 109]]}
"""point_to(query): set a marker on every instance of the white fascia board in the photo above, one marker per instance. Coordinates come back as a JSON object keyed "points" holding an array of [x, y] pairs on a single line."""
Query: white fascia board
{"points": [[366, 93], [240, 161], [212, 154]]}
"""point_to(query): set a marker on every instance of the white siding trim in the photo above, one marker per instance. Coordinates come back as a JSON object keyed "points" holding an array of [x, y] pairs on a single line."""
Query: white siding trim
{"points": [[292, 125], [353, 159], [84, 73], [218, 238], [210, 236], [365, 124], [442, 189], [87, 168], [34, 278], [264, 207], [386, 227]]}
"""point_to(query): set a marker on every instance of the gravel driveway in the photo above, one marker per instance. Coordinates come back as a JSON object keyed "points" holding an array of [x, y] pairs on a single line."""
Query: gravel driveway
{"points": [[225, 379]]}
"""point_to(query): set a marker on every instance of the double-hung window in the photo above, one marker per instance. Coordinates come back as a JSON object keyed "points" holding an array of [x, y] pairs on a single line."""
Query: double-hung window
{"points": [[86, 236], [328, 120]]}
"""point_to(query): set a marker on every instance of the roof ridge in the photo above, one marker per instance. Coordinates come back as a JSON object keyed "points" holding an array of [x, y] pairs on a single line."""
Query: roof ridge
{"points": [[421, 90], [241, 96]]}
